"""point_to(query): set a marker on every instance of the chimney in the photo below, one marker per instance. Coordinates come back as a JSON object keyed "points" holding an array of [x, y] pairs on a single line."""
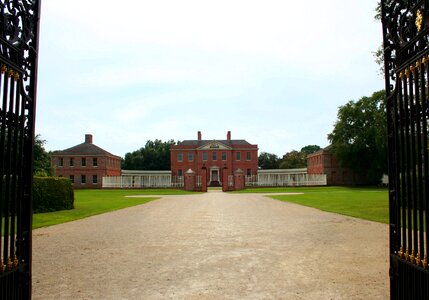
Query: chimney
{"points": [[228, 136], [88, 138], [199, 135]]}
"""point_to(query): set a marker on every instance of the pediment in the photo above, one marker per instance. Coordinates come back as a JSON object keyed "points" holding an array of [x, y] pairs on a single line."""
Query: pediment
{"points": [[214, 145]]}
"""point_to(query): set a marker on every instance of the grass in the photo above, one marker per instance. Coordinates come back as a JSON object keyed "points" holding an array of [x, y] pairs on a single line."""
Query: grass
{"points": [[93, 202], [367, 203]]}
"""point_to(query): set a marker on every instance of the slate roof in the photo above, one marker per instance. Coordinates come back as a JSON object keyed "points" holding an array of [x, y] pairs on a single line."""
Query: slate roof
{"points": [[199, 143], [85, 149]]}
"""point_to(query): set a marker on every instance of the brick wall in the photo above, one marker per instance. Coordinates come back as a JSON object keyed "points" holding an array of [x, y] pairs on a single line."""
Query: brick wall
{"points": [[105, 166]]}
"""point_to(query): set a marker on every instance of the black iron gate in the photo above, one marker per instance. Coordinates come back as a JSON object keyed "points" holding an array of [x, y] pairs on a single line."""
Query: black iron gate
{"points": [[406, 53], [18, 75]]}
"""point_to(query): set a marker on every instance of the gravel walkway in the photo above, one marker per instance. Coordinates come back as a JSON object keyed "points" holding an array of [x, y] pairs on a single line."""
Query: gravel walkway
{"points": [[212, 246]]}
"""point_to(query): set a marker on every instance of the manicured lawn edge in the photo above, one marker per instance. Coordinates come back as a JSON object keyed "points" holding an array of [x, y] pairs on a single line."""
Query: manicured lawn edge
{"points": [[94, 202], [368, 203]]}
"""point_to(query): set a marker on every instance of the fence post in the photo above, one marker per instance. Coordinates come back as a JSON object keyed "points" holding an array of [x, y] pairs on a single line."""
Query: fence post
{"points": [[190, 180], [239, 181], [224, 179], [204, 179]]}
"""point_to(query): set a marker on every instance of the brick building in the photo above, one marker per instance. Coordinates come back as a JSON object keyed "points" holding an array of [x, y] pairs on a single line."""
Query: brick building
{"points": [[214, 156], [85, 164], [325, 162]]}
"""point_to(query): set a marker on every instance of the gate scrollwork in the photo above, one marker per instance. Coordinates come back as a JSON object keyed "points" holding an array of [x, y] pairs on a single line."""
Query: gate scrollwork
{"points": [[17, 35]]}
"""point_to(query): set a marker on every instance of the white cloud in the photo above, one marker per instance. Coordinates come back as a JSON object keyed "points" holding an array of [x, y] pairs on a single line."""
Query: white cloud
{"points": [[273, 72]]}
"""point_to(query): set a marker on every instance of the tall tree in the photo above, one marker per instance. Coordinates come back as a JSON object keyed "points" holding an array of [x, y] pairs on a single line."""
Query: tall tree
{"points": [[155, 155], [294, 159], [268, 161], [42, 160], [310, 149], [379, 53], [359, 138]]}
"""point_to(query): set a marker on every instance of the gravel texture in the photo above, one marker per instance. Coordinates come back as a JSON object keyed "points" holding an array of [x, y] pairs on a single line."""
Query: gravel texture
{"points": [[212, 246]]}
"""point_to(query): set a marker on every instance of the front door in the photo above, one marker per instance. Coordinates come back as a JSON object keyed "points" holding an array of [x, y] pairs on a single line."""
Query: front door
{"points": [[215, 175]]}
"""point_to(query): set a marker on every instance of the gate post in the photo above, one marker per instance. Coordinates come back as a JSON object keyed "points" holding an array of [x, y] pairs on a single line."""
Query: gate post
{"points": [[204, 179], [239, 181], [19, 43], [190, 180], [225, 180], [406, 62]]}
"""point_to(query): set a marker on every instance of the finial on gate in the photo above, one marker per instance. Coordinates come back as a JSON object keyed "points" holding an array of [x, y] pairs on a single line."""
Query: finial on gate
{"points": [[418, 65], [407, 255], [407, 72], [2, 266], [401, 252], [419, 20]]}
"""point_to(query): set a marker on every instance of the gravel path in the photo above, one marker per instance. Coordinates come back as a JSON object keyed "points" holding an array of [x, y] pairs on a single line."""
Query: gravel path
{"points": [[212, 246]]}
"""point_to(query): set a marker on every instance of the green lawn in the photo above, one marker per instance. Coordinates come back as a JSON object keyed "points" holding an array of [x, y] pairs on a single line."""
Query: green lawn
{"points": [[93, 202], [365, 203]]}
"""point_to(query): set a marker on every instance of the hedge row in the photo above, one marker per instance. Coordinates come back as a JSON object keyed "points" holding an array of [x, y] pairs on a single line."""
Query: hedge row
{"points": [[52, 194]]}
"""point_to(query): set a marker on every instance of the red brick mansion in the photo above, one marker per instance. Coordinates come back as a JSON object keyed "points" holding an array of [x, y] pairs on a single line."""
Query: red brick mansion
{"points": [[215, 158], [85, 164]]}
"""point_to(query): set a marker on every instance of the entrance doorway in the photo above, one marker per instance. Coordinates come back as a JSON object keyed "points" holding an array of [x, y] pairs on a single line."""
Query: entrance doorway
{"points": [[214, 177]]}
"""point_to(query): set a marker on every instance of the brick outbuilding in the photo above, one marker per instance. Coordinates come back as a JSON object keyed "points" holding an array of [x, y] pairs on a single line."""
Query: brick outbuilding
{"points": [[85, 164], [215, 158], [324, 161]]}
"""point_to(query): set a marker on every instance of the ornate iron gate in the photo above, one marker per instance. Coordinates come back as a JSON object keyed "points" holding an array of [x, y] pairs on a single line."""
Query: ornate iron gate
{"points": [[18, 76], [406, 54]]}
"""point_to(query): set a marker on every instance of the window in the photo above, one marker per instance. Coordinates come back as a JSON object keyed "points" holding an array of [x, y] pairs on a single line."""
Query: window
{"points": [[94, 162], [224, 155], [249, 172], [60, 162], [204, 156], [248, 156], [214, 155], [71, 162], [238, 155], [179, 172], [94, 179], [72, 178], [179, 156], [83, 179], [83, 162], [190, 156]]}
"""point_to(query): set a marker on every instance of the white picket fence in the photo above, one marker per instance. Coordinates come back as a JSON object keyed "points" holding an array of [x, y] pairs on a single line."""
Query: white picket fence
{"points": [[143, 181], [163, 179], [294, 177]]}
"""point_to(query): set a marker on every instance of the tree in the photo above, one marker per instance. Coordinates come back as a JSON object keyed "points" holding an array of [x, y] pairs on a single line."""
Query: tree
{"points": [[379, 53], [268, 161], [310, 149], [293, 160], [42, 159], [155, 155], [359, 137]]}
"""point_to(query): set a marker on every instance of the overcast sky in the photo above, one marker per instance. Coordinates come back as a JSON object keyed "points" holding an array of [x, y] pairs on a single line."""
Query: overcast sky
{"points": [[272, 72]]}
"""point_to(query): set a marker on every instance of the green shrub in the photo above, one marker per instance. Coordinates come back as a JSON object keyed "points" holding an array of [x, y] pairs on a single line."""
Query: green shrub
{"points": [[52, 194]]}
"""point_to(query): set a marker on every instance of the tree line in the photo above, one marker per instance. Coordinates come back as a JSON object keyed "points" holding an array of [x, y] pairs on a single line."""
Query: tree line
{"points": [[358, 140], [291, 160]]}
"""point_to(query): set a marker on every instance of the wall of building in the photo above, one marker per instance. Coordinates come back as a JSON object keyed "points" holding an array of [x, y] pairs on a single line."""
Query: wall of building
{"points": [[325, 162], [93, 174], [247, 162], [85, 164]]}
